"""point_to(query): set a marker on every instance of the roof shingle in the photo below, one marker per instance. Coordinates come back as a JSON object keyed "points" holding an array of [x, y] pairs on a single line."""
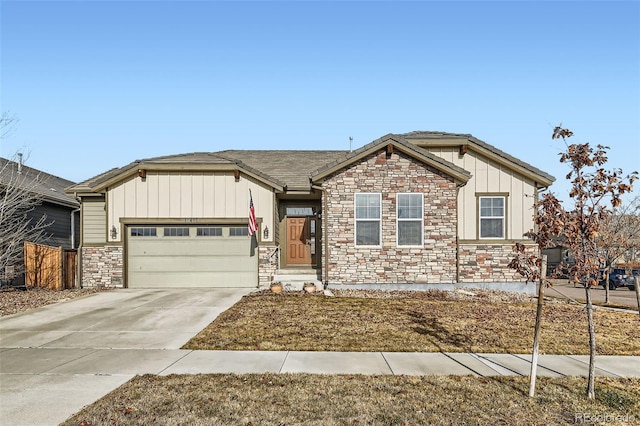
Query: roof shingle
{"points": [[49, 187]]}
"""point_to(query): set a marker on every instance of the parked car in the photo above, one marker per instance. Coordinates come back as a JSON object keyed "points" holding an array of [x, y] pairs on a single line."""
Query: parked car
{"points": [[618, 277]]}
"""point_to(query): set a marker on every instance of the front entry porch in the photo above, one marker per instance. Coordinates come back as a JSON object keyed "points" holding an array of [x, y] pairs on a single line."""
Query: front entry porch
{"points": [[300, 238], [300, 230]]}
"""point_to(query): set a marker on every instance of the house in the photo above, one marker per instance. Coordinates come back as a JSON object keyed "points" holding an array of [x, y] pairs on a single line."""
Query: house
{"points": [[416, 210], [61, 210], [41, 195]]}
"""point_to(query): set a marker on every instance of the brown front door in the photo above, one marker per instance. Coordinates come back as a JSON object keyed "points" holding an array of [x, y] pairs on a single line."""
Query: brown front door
{"points": [[298, 241]]}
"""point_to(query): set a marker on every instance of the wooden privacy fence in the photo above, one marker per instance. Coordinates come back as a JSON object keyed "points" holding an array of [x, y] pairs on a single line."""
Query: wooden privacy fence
{"points": [[49, 267]]}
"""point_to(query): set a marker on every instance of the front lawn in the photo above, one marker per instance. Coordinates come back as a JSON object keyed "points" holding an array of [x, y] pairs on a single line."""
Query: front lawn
{"points": [[412, 322], [305, 399]]}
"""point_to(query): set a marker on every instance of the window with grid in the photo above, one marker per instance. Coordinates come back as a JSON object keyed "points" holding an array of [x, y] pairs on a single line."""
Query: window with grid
{"points": [[176, 232], [209, 232], [368, 219], [492, 217], [143, 232], [239, 232], [410, 229]]}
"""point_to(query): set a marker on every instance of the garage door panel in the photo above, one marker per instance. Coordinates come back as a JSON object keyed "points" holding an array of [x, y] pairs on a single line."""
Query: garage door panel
{"points": [[196, 279], [191, 246], [188, 264], [190, 261]]}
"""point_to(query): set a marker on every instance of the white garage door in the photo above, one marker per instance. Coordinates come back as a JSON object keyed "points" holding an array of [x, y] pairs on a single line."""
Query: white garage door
{"points": [[190, 256]]}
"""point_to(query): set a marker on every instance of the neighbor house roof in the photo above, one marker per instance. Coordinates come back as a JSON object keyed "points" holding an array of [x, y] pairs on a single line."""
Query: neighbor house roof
{"points": [[48, 187]]}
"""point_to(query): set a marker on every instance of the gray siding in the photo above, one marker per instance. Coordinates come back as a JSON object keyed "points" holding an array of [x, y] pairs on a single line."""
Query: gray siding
{"points": [[59, 231]]}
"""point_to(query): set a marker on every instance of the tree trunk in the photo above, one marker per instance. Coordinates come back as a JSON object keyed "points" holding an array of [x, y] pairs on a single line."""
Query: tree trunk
{"points": [[592, 345], [636, 282], [606, 286], [536, 333]]}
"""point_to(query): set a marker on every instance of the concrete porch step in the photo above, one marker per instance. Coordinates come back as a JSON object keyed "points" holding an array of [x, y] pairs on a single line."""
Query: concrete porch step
{"points": [[294, 279]]}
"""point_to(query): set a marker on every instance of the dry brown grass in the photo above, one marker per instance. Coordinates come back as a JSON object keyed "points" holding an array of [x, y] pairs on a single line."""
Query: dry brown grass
{"points": [[287, 399], [420, 322], [13, 301]]}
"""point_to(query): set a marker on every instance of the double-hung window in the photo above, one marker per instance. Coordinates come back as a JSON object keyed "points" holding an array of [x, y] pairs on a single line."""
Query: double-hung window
{"points": [[410, 229], [492, 217], [368, 218]]}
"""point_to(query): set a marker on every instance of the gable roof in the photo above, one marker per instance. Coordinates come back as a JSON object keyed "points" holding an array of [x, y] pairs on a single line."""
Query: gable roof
{"points": [[459, 175], [195, 161], [297, 169], [427, 138], [48, 187]]}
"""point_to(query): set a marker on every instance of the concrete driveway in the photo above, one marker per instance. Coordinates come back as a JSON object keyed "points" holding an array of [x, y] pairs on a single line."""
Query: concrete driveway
{"points": [[57, 359]]}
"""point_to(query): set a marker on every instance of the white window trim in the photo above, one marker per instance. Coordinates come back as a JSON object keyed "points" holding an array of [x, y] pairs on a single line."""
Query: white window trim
{"points": [[355, 219], [421, 219], [503, 217]]}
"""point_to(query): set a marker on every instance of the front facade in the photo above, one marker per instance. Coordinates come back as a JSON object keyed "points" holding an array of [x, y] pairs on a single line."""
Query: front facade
{"points": [[412, 210]]}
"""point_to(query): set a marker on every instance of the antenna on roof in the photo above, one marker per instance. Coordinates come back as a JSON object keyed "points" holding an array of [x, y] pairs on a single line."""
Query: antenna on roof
{"points": [[350, 140]]}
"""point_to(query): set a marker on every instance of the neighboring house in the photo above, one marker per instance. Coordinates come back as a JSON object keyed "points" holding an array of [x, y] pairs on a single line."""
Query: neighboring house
{"points": [[416, 210], [61, 210]]}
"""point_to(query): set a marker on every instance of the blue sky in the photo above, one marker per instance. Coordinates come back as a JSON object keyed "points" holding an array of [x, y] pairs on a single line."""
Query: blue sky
{"points": [[97, 84]]}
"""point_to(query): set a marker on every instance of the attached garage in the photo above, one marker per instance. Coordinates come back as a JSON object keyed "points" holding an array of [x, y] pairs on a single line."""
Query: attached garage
{"points": [[190, 256]]}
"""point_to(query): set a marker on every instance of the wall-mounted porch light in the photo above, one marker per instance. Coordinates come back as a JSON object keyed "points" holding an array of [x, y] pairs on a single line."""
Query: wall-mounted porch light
{"points": [[114, 232], [265, 233]]}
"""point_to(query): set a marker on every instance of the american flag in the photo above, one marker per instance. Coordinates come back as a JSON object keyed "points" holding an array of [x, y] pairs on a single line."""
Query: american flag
{"points": [[253, 225]]}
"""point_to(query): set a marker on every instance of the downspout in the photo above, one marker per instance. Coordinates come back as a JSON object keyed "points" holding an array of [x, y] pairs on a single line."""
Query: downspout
{"points": [[73, 227], [325, 237], [79, 249], [457, 234], [325, 264]]}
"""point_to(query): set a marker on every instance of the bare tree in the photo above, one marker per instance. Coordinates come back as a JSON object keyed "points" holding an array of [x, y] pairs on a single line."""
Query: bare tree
{"points": [[7, 124], [619, 240], [18, 197], [595, 193]]}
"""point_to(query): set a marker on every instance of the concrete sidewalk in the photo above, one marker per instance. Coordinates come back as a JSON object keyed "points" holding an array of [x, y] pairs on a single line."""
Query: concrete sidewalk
{"points": [[63, 380], [129, 362]]}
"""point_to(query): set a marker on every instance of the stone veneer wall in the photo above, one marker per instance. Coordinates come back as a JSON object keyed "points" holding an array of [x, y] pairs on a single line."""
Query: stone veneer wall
{"points": [[488, 262], [102, 266], [267, 265], [434, 263]]}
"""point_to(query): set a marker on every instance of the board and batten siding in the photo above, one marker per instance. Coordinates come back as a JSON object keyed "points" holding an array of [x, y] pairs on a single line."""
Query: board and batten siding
{"points": [[189, 195], [489, 177], [94, 221]]}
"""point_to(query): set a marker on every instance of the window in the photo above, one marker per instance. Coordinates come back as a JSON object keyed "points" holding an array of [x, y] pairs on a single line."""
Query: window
{"points": [[409, 219], [368, 219], [209, 232], [143, 232], [492, 217], [176, 232], [239, 232]]}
